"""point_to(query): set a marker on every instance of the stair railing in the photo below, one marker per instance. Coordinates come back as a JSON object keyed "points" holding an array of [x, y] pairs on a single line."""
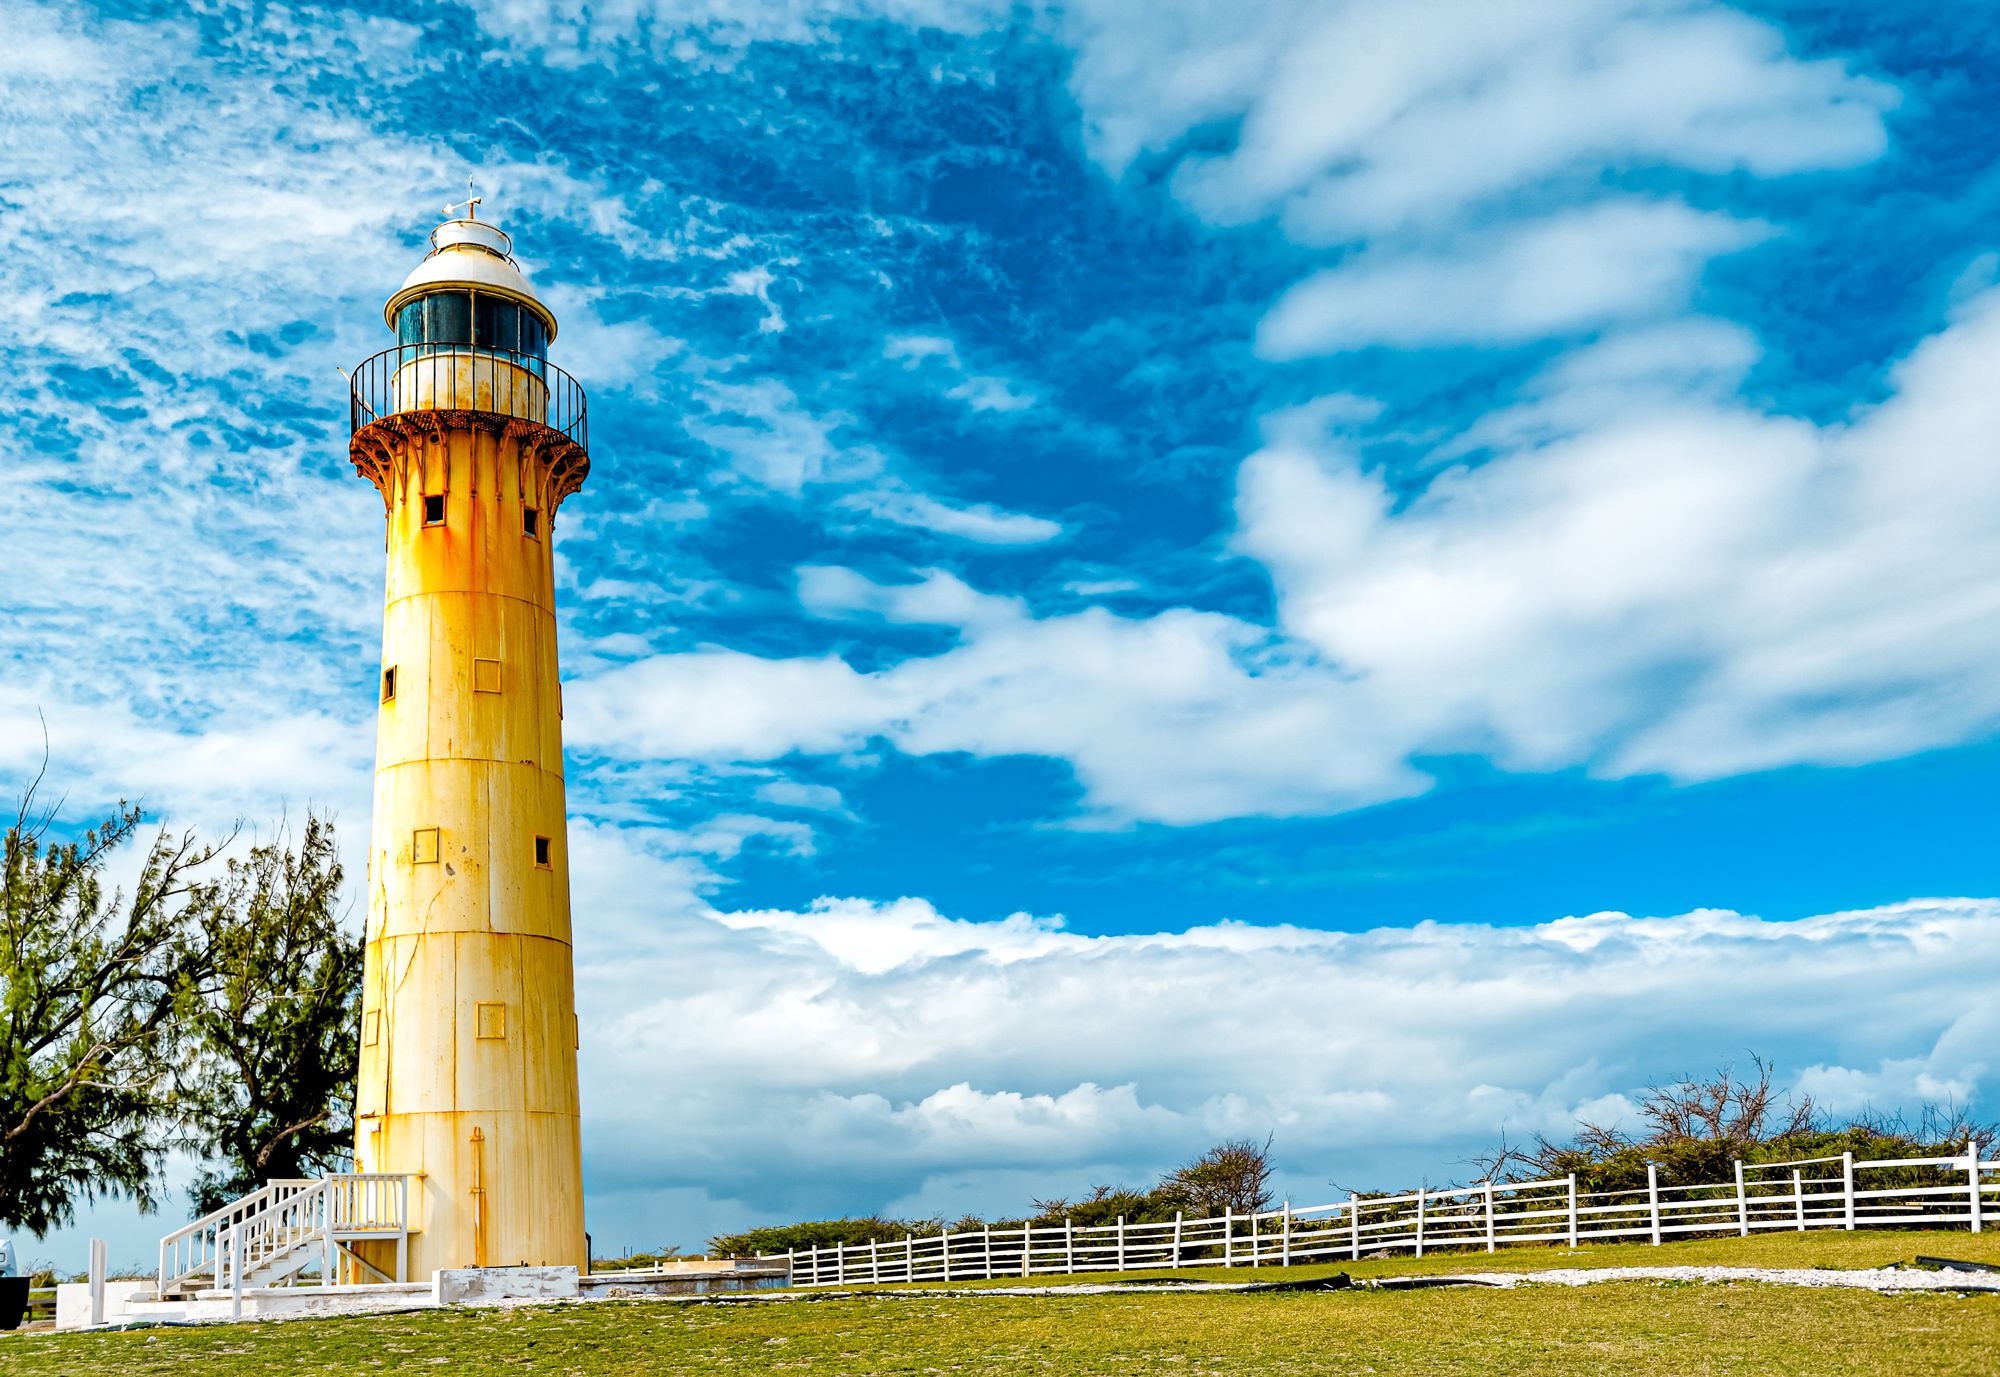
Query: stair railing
{"points": [[198, 1247], [285, 1223], [232, 1245]]}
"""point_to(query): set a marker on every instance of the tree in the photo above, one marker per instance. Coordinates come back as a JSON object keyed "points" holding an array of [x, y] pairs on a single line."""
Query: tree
{"points": [[1723, 1108], [90, 990], [271, 1049], [1692, 1131], [213, 1008], [1233, 1175]]}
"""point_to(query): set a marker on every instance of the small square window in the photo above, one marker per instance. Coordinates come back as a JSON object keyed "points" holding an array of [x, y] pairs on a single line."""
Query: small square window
{"points": [[371, 1027], [489, 1021], [531, 523], [542, 852], [434, 510], [388, 683], [424, 846], [485, 676]]}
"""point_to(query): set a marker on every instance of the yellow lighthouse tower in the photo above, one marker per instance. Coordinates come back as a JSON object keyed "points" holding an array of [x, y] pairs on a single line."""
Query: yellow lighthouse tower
{"points": [[469, 1032]]}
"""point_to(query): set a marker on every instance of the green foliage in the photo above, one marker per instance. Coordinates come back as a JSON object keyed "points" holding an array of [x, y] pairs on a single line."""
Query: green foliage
{"points": [[823, 1233], [206, 1011], [637, 1262], [90, 990], [1233, 1175], [268, 1084], [1693, 1131], [1104, 1205]]}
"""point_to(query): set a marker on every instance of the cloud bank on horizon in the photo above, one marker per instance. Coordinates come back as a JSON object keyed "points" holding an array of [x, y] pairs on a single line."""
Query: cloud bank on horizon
{"points": [[1239, 477]]}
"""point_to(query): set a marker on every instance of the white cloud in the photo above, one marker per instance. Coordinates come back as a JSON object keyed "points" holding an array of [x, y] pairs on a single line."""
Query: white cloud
{"points": [[194, 240], [981, 522], [1673, 584], [793, 793], [722, 704], [1689, 587], [873, 938], [775, 441], [1621, 374], [1460, 151], [564, 34], [939, 598], [914, 349], [1256, 731], [1363, 116], [1564, 274], [979, 391], [927, 1062], [1102, 588], [986, 392]]}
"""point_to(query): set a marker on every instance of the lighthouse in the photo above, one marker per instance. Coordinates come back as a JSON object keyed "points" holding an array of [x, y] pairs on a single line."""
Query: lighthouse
{"points": [[469, 1032]]}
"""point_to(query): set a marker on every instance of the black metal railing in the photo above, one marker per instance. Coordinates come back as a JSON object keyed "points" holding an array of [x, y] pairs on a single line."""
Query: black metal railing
{"points": [[465, 377]]}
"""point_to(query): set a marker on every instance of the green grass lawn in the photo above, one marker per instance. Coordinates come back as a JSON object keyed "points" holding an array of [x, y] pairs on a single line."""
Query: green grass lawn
{"points": [[1635, 1327], [1623, 1327]]}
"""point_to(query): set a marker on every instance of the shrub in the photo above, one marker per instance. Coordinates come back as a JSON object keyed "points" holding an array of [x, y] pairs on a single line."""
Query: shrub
{"points": [[823, 1233]]}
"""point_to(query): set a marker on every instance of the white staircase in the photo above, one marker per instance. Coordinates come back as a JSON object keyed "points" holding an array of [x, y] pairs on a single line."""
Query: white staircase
{"points": [[280, 1232]]}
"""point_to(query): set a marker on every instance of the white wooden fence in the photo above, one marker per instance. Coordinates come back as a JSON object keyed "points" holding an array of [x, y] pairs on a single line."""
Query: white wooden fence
{"points": [[1815, 1193]]}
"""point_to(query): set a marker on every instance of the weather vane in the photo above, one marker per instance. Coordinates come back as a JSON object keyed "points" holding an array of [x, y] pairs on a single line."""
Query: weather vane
{"points": [[471, 203]]}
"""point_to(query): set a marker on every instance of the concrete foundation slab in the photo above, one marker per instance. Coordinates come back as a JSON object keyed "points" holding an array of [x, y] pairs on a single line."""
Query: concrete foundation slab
{"points": [[470, 1285]]}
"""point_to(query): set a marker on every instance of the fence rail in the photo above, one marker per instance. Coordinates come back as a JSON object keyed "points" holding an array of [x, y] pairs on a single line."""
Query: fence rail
{"points": [[1951, 1192]]}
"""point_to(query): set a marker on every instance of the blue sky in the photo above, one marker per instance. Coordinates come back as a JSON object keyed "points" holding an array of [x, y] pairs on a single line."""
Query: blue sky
{"points": [[1099, 512]]}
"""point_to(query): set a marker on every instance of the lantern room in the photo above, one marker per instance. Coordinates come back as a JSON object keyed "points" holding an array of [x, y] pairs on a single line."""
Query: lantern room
{"points": [[471, 334]]}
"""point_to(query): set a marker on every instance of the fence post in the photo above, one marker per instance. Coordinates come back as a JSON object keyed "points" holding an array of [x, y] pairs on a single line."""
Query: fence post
{"points": [[839, 1264], [1572, 1211], [1354, 1219], [98, 1268], [1228, 1236], [1121, 1242], [1177, 1238], [1742, 1203], [1847, 1185], [1653, 1199], [1489, 1217], [1420, 1221], [1069, 1245], [1799, 1199], [986, 1244], [1972, 1174], [947, 1254], [909, 1258], [1027, 1250], [1285, 1253], [1256, 1254], [235, 1274], [874, 1263]]}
